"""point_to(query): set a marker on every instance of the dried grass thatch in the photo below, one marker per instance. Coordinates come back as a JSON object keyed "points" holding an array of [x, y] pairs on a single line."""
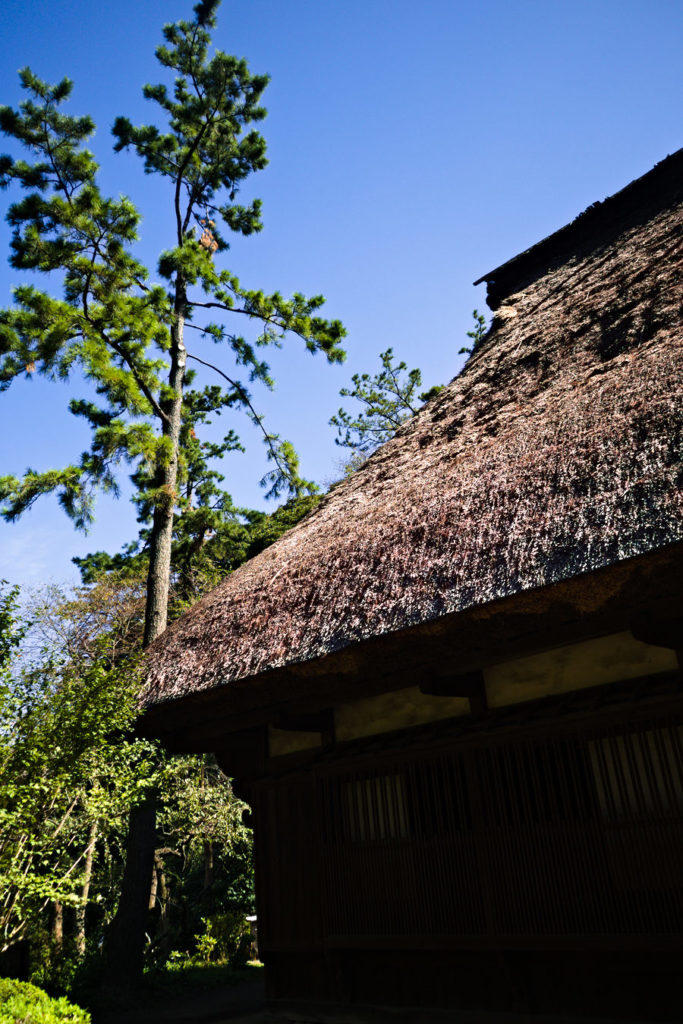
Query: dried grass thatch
{"points": [[556, 452]]}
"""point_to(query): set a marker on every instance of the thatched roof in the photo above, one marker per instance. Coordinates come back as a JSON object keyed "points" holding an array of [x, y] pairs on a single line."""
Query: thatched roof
{"points": [[557, 451]]}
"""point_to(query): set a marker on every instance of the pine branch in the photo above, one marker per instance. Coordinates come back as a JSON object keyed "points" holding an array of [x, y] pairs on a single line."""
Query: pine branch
{"points": [[255, 417]]}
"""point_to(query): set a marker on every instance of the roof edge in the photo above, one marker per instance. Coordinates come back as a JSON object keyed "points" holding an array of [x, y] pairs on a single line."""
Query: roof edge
{"points": [[643, 198]]}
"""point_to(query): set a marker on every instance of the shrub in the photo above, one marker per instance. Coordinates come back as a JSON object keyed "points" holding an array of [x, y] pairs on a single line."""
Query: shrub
{"points": [[22, 1003], [226, 939]]}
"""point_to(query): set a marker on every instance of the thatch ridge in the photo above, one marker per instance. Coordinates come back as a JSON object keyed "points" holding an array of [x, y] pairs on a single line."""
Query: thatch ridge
{"points": [[595, 227], [556, 452]]}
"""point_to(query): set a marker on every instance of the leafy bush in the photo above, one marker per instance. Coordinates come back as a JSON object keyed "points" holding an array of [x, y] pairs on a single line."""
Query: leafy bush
{"points": [[226, 939], [21, 1003]]}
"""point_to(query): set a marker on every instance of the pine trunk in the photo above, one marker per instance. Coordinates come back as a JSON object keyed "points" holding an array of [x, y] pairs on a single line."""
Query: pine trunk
{"points": [[126, 939], [159, 575]]}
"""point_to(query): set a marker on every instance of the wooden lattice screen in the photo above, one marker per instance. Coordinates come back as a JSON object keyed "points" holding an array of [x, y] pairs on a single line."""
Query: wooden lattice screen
{"points": [[524, 842]]}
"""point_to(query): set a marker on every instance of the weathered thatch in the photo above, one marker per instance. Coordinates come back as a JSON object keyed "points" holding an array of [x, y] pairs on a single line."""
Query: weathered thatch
{"points": [[557, 451]]}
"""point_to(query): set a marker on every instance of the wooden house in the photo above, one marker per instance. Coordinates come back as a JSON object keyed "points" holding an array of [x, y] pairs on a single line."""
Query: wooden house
{"points": [[452, 693]]}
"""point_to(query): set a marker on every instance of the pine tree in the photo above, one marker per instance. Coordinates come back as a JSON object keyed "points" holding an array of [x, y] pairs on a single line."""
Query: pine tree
{"points": [[127, 334], [123, 332], [204, 510], [387, 400], [477, 334]]}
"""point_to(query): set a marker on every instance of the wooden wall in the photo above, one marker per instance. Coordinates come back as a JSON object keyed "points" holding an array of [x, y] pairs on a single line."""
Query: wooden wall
{"points": [[556, 840]]}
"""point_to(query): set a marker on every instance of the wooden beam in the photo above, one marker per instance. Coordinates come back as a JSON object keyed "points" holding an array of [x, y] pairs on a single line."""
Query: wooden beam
{"points": [[660, 632], [463, 684], [312, 721], [243, 754]]}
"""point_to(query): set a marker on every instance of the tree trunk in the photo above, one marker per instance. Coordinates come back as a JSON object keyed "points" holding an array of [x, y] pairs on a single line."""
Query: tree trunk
{"points": [[85, 890], [126, 939], [164, 924], [154, 887], [208, 867], [159, 575], [125, 942], [58, 928]]}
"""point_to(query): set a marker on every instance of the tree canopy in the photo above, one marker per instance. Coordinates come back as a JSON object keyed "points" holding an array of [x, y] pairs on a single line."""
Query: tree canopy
{"points": [[387, 400], [122, 325], [71, 767], [106, 318]]}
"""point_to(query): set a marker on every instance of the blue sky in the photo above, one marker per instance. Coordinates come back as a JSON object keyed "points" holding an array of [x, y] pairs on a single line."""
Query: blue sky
{"points": [[412, 147]]}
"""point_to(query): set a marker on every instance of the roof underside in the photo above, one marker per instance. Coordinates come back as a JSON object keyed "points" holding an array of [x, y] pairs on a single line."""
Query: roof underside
{"points": [[557, 451]]}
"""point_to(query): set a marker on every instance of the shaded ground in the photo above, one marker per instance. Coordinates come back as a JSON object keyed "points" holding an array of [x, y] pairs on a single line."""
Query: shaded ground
{"points": [[206, 996], [370, 1015], [219, 995]]}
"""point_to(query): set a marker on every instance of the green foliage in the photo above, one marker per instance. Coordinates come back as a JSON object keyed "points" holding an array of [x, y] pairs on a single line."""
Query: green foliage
{"points": [[56, 967], [107, 319], [388, 399], [69, 772], [264, 529], [226, 938], [181, 974], [70, 769], [112, 324], [66, 764], [22, 1003], [11, 630], [204, 857], [206, 946], [199, 806], [101, 622], [205, 510], [211, 539], [477, 334]]}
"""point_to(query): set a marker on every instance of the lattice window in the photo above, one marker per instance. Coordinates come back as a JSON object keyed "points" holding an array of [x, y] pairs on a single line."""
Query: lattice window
{"points": [[527, 785], [376, 808], [639, 774]]}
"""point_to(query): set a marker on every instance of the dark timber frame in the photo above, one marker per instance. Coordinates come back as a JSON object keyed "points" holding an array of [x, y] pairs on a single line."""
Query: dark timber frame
{"points": [[556, 829]]}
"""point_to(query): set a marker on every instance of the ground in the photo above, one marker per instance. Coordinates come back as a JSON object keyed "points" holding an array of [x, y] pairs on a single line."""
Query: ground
{"points": [[215, 998], [217, 995]]}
